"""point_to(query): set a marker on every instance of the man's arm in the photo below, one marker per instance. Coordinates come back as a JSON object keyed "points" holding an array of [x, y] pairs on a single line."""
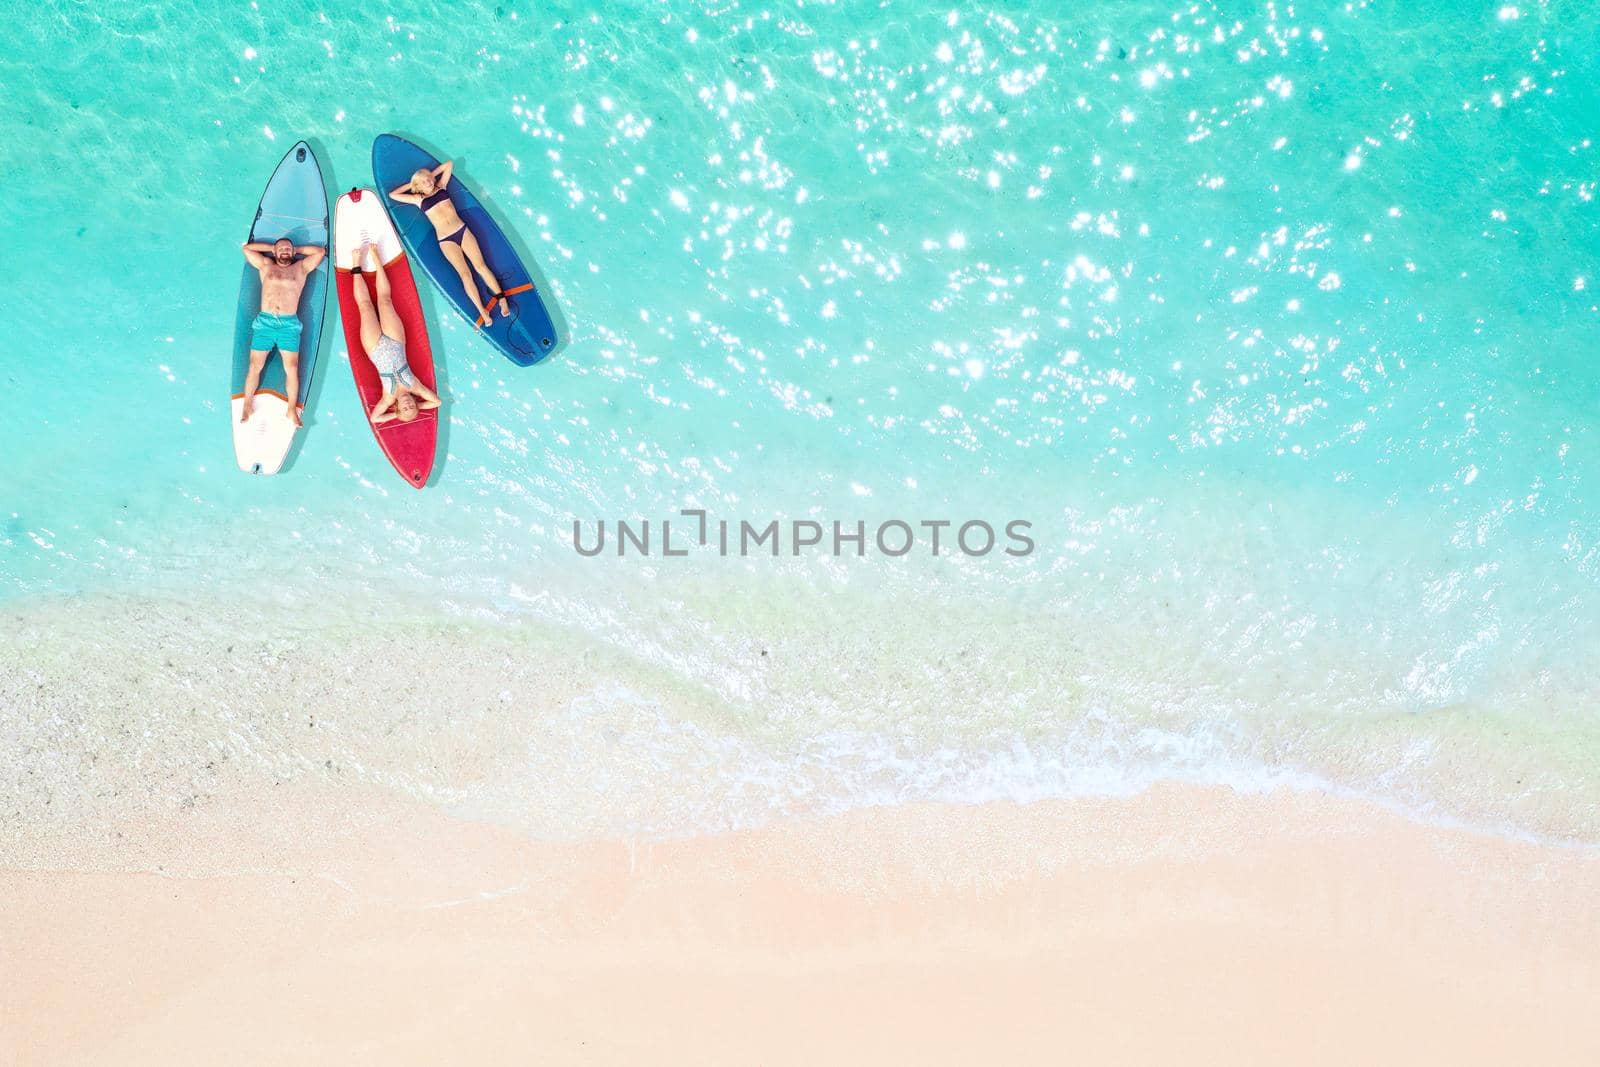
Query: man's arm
{"points": [[256, 254], [312, 256]]}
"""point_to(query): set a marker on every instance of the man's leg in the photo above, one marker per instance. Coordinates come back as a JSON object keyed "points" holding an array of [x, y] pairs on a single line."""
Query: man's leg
{"points": [[291, 383], [252, 381]]}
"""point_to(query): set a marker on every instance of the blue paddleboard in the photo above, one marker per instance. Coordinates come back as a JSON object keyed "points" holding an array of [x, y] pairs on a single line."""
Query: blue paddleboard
{"points": [[295, 205], [525, 336]]}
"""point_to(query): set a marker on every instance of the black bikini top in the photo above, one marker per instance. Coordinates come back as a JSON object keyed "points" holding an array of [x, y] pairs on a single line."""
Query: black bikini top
{"points": [[438, 196]]}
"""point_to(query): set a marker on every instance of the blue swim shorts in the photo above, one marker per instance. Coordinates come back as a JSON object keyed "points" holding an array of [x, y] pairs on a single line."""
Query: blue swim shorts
{"points": [[268, 330]]}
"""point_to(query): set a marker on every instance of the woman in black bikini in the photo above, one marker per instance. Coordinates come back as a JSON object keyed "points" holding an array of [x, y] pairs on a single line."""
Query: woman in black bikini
{"points": [[429, 190]]}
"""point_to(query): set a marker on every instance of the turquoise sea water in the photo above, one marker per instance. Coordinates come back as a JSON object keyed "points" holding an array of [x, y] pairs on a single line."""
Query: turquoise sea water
{"points": [[1279, 322]]}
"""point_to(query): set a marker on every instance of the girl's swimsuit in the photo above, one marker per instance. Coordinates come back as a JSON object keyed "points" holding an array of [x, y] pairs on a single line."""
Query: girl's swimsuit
{"points": [[389, 358], [435, 198], [441, 195]]}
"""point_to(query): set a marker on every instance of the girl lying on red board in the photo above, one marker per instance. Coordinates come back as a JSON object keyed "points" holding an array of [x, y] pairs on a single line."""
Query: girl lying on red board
{"points": [[383, 335]]}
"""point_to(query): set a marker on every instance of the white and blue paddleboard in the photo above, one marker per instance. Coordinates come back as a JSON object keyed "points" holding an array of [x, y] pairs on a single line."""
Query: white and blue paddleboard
{"points": [[295, 206]]}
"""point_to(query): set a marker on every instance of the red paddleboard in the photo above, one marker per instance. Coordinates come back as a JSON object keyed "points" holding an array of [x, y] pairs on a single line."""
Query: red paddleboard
{"points": [[357, 219]]}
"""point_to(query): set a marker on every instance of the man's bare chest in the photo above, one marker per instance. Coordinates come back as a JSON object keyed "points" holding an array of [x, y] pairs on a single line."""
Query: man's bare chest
{"points": [[280, 276]]}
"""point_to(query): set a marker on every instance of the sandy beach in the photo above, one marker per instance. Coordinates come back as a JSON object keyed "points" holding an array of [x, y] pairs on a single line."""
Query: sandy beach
{"points": [[1183, 925]]}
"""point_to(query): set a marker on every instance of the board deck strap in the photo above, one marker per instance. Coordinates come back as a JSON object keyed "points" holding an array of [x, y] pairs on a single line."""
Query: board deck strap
{"points": [[493, 300]]}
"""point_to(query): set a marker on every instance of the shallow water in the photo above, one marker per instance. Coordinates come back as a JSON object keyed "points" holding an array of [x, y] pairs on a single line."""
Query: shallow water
{"points": [[1278, 324]]}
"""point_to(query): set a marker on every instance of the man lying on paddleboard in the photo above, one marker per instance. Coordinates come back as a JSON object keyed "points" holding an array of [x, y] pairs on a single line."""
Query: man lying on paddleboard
{"points": [[383, 335], [430, 191], [278, 323]]}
